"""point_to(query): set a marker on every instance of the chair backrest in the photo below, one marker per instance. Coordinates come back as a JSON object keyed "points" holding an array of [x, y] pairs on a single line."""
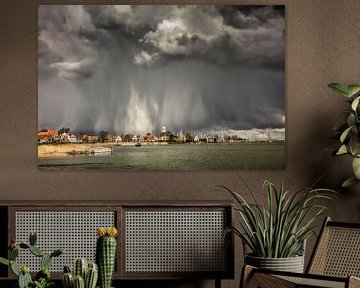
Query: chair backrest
{"points": [[337, 251]]}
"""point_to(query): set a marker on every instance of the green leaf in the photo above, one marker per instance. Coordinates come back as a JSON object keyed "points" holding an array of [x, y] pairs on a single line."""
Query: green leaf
{"points": [[353, 89], [355, 103], [345, 134], [4, 261], [340, 88], [342, 150], [349, 182], [14, 268], [356, 167], [351, 120]]}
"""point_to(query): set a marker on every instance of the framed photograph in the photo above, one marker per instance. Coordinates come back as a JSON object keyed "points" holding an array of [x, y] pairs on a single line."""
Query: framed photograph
{"points": [[161, 87]]}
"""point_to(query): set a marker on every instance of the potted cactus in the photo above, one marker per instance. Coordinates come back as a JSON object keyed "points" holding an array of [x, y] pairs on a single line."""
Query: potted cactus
{"points": [[42, 278], [84, 275], [106, 254]]}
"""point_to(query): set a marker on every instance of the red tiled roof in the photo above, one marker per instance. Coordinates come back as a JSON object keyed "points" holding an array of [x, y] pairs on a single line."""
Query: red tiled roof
{"points": [[47, 134]]}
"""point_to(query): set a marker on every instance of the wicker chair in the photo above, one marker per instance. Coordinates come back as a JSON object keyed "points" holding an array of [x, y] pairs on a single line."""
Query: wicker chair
{"points": [[334, 263]]}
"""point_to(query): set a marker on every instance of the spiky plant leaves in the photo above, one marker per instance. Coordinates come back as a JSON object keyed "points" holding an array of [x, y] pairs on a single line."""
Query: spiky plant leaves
{"points": [[280, 228]]}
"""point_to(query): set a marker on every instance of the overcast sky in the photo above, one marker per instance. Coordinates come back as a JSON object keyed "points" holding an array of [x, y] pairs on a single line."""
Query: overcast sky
{"points": [[138, 68]]}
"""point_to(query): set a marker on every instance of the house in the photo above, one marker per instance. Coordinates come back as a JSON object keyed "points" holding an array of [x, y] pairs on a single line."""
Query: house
{"points": [[140, 138], [180, 139], [110, 137], [196, 139], [128, 137], [89, 138], [164, 136], [149, 137], [134, 138], [48, 136], [73, 139], [209, 138], [118, 139], [65, 138]]}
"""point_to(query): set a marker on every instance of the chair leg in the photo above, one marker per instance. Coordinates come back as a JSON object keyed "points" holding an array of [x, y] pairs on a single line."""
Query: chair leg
{"points": [[246, 274], [217, 283]]}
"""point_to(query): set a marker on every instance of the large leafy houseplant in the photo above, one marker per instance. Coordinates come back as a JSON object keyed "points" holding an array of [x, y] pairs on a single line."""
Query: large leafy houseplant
{"points": [[349, 132], [279, 229]]}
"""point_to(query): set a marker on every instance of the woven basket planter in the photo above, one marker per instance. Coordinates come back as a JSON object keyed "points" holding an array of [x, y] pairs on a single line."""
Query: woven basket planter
{"points": [[291, 264]]}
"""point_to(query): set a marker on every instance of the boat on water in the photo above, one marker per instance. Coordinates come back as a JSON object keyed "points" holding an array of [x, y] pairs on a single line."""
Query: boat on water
{"points": [[138, 144], [101, 150]]}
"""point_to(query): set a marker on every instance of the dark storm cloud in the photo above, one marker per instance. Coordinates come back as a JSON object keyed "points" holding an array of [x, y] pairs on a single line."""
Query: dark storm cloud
{"points": [[137, 68]]}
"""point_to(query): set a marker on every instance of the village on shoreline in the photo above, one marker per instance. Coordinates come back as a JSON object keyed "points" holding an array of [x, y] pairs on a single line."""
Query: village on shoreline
{"points": [[58, 143]]}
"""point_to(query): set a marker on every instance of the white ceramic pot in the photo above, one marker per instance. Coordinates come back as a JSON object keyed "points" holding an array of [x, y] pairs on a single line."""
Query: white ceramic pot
{"points": [[291, 264]]}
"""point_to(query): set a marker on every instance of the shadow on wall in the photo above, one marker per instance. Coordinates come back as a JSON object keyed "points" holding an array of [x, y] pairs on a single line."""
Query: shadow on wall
{"points": [[317, 161]]}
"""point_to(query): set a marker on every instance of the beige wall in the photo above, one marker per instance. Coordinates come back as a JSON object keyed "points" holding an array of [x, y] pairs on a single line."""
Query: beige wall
{"points": [[323, 46]]}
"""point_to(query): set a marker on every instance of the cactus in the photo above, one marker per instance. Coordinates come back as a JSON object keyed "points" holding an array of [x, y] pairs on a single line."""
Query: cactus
{"points": [[32, 238], [36, 251], [88, 273], [80, 267], [57, 252], [68, 280], [24, 280], [42, 278], [91, 276], [79, 282], [45, 261], [105, 255], [13, 253], [43, 274]]}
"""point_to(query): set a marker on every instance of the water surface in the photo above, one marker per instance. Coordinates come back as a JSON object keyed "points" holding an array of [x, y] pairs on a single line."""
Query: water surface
{"points": [[212, 156]]}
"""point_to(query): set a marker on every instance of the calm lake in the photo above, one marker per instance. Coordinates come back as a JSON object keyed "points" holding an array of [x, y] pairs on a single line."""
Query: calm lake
{"points": [[212, 156]]}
